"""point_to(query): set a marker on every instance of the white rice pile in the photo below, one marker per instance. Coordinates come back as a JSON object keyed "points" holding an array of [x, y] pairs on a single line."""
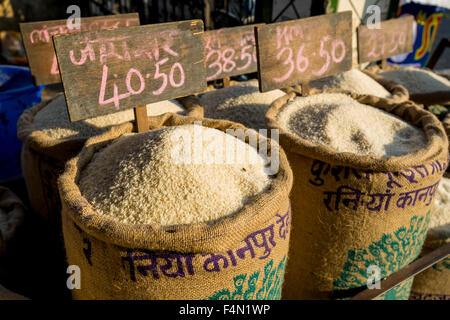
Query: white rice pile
{"points": [[54, 121], [338, 121], [151, 185], [440, 217], [417, 81], [241, 103], [353, 80]]}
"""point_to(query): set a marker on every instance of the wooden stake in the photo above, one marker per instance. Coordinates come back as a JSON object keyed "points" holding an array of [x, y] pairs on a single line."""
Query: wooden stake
{"points": [[384, 64], [226, 82], [140, 114], [305, 88]]}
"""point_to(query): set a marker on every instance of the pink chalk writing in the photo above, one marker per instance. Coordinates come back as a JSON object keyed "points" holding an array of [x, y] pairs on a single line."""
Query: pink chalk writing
{"points": [[103, 50], [301, 63], [383, 44], [221, 59], [45, 33]]}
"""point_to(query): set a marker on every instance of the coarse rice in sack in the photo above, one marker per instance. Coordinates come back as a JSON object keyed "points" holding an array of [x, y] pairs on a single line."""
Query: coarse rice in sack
{"points": [[53, 140], [424, 85], [353, 211], [240, 256], [242, 103], [434, 283], [363, 82]]}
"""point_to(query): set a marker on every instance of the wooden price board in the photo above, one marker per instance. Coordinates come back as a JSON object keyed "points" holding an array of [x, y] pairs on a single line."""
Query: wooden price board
{"points": [[393, 37], [37, 40], [230, 52], [300, 50], [111, 70]]}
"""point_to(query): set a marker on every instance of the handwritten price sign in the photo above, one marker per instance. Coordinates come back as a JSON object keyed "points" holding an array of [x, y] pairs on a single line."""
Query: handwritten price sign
{"points": [[37, 40], [305, 49], [230, 52], [393, 37], [111, 70]]}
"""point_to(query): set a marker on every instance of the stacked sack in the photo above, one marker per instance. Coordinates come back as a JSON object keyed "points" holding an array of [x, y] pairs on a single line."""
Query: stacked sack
{"points": [[50, 139], [366, 170], [174, 221], [434, 283]]}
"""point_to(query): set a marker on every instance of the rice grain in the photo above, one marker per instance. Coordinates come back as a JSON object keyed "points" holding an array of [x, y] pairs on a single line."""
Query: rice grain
{"points": [[345, 125], [417, 81], [353, 80], [54, 121], [241, 103], [136, 179]]}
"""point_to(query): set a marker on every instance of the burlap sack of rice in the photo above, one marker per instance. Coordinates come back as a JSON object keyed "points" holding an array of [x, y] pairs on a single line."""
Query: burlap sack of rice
{"points": [[239, 256], [434, 283], [6, 294], [12, 213], [350, 210], [50, 139], [363, 82], [424, 85], [242, 103]]}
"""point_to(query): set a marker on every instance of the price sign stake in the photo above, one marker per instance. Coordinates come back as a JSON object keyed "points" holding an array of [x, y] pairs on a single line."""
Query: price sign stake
{"points": [[37, 40], [112, 70], [298, 51], [392, 38], [230, 52]]}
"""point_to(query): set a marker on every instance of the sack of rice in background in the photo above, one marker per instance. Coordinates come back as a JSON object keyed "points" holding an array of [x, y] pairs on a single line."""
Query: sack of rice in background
{"points": [[365, 83], [242, 103], [365, 173], [424, 86], [12, 213], [141, 226], [434, 283], [50, 139]]}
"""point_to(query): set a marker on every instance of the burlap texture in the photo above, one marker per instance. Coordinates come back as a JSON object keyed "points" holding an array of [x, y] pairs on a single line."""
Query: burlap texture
{"points": [[433, 283], [44, 158], [12, 214], [6, 294], [242, 256], [429, 98], [352, 211]]}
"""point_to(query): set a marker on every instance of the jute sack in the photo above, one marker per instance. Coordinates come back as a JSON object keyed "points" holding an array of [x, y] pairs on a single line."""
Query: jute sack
{"points": [[242, 256], [6, 294], [351, 212], [433, 283], [44, 158], [428, 98]]}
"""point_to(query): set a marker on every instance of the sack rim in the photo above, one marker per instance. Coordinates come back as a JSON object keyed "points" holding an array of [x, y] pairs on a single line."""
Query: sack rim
{"points": [[437, 146], [59, 148], [197, 237]]}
